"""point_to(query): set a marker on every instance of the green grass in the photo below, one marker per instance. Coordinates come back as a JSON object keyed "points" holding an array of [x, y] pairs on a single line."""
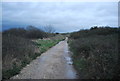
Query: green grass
{"points": [[44, 45]]}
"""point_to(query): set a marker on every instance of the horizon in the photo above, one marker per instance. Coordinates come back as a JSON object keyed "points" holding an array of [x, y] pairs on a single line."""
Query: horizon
{"points": [[42, 28]]}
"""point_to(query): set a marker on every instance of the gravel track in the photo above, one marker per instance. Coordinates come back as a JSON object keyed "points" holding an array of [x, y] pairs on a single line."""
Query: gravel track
{"points": [[50, 65]]}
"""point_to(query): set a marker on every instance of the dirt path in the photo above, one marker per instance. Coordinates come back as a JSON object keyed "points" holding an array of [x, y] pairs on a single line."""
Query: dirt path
{"points": [[53, 64]]}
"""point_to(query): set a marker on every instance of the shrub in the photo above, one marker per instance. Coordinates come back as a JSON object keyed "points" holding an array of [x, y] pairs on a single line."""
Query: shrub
{"points": [[14, 50], [94, 31], [30, 32], [95, 53], [21, 32], [33, 32]]}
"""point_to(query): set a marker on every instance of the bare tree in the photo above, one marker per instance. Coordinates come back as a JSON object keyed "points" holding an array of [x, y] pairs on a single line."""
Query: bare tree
{"points": [[49, 29]]}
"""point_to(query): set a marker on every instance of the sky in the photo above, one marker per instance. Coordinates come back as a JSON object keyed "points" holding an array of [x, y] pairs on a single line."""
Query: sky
{"points": [[63, 16]]}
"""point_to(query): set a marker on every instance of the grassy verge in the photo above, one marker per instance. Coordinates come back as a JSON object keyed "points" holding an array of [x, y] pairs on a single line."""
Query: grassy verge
{"points": [[95, 56], [44, 45]]}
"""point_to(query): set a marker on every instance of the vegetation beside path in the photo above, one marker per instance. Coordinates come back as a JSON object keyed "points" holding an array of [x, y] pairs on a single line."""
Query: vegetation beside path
{"points": [[95, 53], [20, 46], [45, 44]]}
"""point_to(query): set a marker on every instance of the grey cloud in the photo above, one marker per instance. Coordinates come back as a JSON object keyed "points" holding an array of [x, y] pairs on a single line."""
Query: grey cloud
{"points": [[64, 16]]}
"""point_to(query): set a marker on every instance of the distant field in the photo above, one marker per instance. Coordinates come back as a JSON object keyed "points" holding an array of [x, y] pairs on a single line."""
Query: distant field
{"points": [[95, 53]]}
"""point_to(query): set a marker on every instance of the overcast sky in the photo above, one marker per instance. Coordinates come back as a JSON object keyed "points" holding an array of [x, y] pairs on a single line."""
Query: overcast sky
{"points": [[63, 16]]}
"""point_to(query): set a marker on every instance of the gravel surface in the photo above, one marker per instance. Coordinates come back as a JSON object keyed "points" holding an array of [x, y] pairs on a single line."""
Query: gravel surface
{"points": [[50, 65]]}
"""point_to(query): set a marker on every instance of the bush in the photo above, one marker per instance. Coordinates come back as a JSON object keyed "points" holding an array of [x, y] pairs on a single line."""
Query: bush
{"points": [[21, 32], [14, 50], [94, 31], [30, 32], [95, 53], [33, 32]]}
